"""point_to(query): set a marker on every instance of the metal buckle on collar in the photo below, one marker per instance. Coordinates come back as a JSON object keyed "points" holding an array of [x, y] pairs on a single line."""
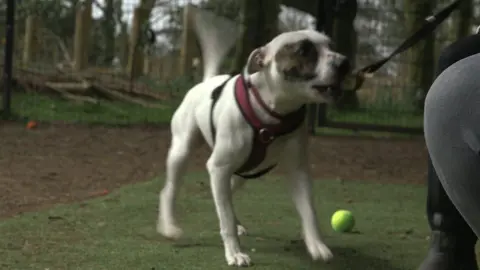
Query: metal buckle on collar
{"points": [[265, 135]]}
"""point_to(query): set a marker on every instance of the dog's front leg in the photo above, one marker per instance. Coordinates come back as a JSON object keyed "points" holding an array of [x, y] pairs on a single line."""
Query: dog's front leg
{"points": [[303, 198], [237, 183], [220, 175]]}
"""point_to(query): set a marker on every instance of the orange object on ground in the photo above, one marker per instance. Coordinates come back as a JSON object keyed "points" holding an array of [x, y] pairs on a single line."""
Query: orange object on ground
{"points": [[31, 124], [100, 193]]}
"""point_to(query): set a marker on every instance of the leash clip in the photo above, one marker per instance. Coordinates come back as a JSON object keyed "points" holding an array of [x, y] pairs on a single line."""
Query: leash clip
{"points": [[360, 77]]}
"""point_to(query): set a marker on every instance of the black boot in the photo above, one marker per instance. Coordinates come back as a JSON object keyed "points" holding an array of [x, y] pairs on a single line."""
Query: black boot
{"points": [[452, 243]]}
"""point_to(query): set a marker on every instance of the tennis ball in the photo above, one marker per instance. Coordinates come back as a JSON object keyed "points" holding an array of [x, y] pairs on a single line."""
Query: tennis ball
{"points": [[343, 221]]}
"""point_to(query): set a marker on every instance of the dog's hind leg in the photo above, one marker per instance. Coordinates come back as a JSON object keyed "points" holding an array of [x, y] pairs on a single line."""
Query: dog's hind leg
{"points": [[184, 140], [237, 183]]}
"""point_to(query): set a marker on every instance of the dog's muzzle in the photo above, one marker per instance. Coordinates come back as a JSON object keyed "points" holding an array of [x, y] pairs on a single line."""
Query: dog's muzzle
{"points": [[344, 69], [333, 91]]}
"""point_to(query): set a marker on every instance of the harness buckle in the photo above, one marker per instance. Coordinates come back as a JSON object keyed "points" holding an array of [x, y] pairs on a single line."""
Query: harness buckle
{"points": [[265, 135]]}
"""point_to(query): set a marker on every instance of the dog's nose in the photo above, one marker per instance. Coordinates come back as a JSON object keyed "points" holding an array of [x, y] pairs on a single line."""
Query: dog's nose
{"points": [[344, 67]]}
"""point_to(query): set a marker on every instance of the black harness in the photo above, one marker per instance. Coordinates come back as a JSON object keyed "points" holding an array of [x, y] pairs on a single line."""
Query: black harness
{"points": [[264, 134]]}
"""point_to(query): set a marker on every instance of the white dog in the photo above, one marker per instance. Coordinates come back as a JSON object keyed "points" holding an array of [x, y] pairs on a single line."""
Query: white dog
{"points": [[251, 121]]}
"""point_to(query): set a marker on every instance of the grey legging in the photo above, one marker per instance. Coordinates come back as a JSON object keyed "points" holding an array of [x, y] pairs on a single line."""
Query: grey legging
{"points": [[452, 134]]}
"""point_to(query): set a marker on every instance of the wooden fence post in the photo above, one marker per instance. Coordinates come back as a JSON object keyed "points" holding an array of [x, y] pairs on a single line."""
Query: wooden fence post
{"points": [[87, 20], [135, 56], [78, 46], [188, 43], [29, 39], [82, 30], [135, 65]]}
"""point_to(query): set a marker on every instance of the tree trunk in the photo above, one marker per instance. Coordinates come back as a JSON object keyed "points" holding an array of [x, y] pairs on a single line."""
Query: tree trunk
{"points": [[121, 41], [136, 44], [303, 5], [260, 25], [345, 38], [421, 56], [464, 19], [108, 28]]}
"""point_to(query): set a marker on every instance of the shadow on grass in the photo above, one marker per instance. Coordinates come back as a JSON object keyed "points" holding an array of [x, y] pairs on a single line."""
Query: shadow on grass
{"points": [[349, 258], [345, 258]]}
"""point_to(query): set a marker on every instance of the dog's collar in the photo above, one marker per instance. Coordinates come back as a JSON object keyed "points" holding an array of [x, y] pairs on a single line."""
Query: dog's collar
{"points": [[264, 134], [287, 123], [249, 86]]}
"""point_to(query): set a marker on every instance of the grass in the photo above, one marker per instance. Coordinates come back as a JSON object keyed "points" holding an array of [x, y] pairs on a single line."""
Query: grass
{"points": [[325, 131], [397, 118], [373, 117], [50, 109], [118, 231]]}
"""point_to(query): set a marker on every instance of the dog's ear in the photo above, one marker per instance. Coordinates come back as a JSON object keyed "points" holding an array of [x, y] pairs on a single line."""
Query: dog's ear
{"points": [[256, 60]]}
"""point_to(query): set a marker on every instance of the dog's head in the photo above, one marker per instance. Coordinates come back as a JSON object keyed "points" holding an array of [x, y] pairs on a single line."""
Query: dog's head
{"points": [[302, 65]]}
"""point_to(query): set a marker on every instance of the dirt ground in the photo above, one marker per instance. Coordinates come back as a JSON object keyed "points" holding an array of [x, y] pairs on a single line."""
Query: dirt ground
{"points": [[62, 163]]}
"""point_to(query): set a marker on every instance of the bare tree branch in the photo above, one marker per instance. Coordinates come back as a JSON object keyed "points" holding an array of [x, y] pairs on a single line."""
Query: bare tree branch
{"points": [[61, 44]]}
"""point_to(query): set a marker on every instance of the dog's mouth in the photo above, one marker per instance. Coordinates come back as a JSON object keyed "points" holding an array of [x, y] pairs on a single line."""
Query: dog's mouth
{"points": [[323, 89]]}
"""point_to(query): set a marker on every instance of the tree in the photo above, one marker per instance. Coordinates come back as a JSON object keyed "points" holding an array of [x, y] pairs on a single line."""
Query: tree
{"points": [[57, 15], [260, 25], [464, 19], [303, 5], [345, 37], [107, 25], [421, 57], [226, 8]]}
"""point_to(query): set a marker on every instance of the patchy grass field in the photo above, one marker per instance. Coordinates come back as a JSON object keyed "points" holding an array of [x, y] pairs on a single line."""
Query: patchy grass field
{"points": [[378, 117], [52, 109], [48, 108], [118, 231]]}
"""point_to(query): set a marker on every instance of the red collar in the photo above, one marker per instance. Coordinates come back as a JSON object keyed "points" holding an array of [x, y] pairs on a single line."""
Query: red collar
{"points": [[268, 132], [264, 134]]}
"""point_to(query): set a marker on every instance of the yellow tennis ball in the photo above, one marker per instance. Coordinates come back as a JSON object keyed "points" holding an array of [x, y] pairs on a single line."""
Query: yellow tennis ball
{"points": [[343, 221]]}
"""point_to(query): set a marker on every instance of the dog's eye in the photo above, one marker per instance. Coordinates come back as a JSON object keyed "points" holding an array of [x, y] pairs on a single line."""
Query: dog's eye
{"points": [[305, 48]]}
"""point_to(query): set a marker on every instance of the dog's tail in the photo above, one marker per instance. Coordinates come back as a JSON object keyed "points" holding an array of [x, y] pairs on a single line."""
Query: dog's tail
{"points": [[216, 36]]}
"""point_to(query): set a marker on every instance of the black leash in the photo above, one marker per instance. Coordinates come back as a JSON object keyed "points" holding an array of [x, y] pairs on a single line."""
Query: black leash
{"points": [[432, 22]]}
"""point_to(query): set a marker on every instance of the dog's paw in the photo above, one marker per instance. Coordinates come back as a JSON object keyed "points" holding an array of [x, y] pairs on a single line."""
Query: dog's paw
{"points": [[241, 230], [170, 231], [318, 250], [239, 259]]}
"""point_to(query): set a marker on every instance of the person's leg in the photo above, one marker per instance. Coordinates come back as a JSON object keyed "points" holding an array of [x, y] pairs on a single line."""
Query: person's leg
{"points": [[452, 242], [451, 133], [449, 229]]}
